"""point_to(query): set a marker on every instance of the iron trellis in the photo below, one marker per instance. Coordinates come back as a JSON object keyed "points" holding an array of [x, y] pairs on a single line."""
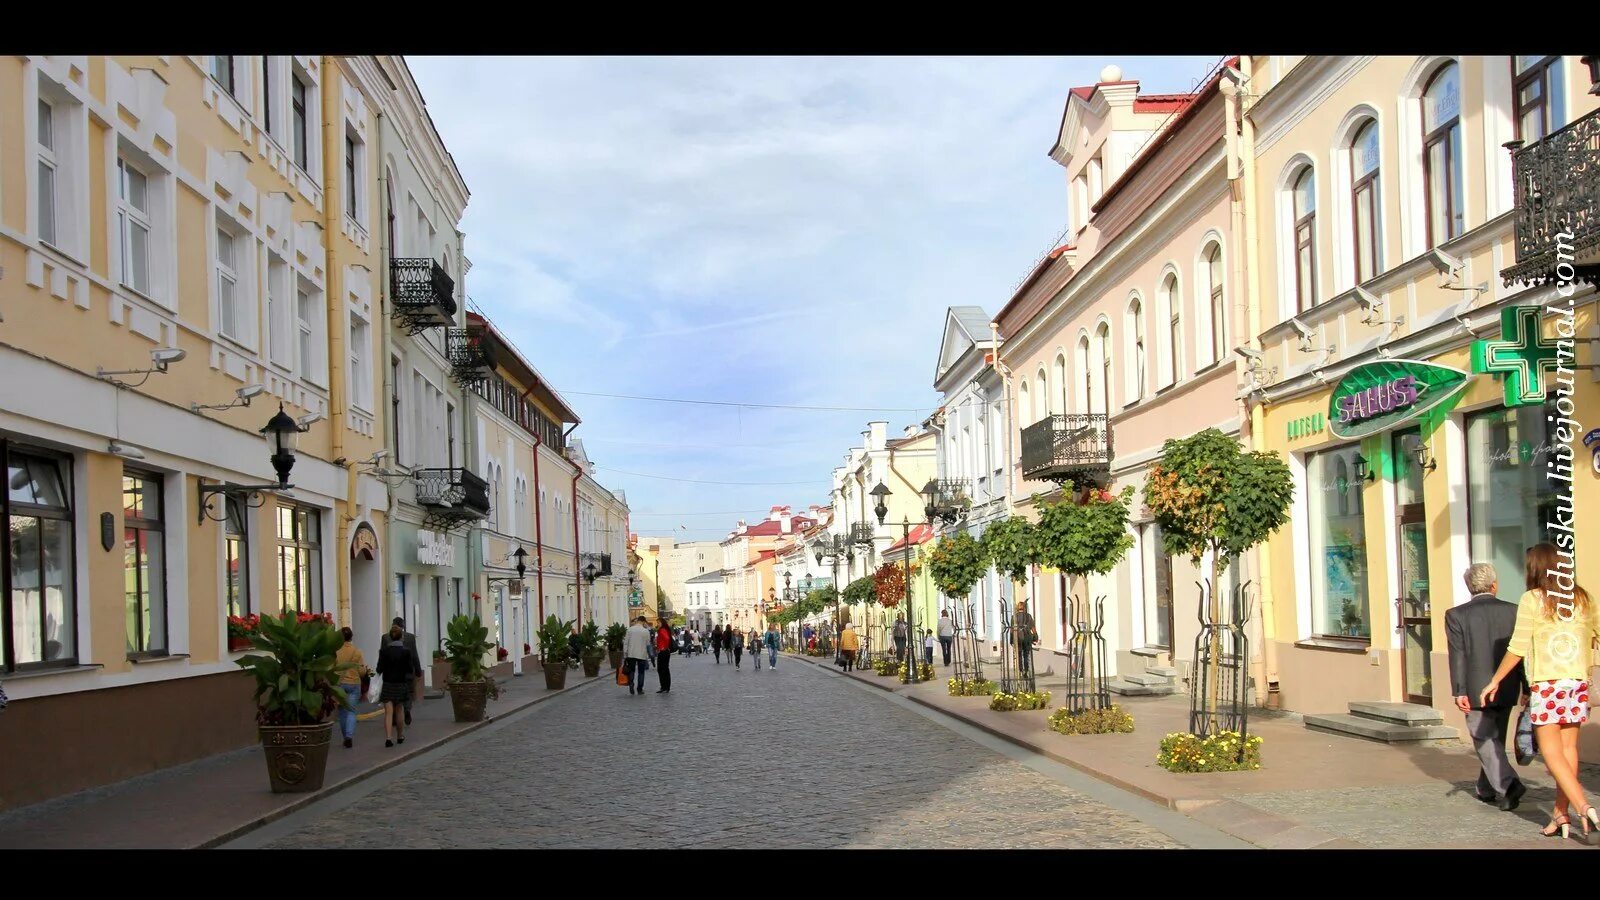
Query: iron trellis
{"points": [[1012, 678], [965, 651], [1221, 656], [1087, 682]]}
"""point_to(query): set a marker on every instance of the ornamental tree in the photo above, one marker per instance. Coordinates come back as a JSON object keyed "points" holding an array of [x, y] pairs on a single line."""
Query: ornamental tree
{"points": [[1210, 495], [1084, 538], [889, 583], [1010, 545], [956, 563]]}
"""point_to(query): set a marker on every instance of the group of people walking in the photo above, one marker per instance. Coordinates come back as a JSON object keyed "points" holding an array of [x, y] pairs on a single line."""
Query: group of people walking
{"points": [[734, 642], [644, 648], [1536, 653], [399, 666]]}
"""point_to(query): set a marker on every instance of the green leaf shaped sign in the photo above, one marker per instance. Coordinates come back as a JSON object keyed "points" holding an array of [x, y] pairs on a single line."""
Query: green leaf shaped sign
{"points": [[1378, 396]]}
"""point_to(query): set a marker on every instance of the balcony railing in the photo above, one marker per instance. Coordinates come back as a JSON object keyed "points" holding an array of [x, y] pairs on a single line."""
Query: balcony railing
{"points": [[1072, 447], [423, 295], [470, 360], [600, 561], [451, 497], [1558, 203]]}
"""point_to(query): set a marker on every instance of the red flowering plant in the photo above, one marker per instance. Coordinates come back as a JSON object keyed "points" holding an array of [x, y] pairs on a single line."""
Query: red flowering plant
{"points": [[526, 649], [297, 675], [243, 627], [501, 654]]}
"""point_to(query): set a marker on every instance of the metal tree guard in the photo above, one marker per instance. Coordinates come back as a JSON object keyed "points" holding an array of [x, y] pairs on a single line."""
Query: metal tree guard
{"points": [[1012, 678], [1088, 685], [1222, 655], [968, 667]]}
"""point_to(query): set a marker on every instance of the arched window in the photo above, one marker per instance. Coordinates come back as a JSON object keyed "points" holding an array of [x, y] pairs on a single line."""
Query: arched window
{"points": [[1041, 393], [1305, 238], [1174, 325], [1059, 402], [1085, 377], [1024, 408], [1366, 200], [1441, 154], [1102, 339], [1212, 262], [1136, 375]]}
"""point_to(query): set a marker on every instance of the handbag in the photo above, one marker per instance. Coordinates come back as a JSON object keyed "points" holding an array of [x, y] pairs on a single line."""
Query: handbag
{"points": [[622, 676], [366, 683], [1525, 748]]}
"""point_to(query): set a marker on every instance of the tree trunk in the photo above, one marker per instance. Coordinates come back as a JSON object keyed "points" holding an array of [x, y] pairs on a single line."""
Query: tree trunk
{"points": [[1213, 687]]}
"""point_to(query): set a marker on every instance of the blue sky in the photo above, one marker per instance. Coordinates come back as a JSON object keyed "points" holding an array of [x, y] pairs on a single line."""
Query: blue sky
{"points": [[763, 230]]}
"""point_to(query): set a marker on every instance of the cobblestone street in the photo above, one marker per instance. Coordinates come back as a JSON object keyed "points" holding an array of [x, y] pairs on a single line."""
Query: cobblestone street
{"points": [[730, 758]]}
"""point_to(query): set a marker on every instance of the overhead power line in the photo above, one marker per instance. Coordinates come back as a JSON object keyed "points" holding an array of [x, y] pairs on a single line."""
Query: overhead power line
{"points": [[698, 481], [915, 409]]}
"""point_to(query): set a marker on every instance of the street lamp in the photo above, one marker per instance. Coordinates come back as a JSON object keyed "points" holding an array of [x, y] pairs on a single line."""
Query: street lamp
{"points": [[835, 550], [936, 505], [282, 434]]}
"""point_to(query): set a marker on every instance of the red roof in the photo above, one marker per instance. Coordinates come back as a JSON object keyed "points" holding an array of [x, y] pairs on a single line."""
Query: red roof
{"points": [[920, 534], [774, 527], [1083, 92], [1155, 103]]}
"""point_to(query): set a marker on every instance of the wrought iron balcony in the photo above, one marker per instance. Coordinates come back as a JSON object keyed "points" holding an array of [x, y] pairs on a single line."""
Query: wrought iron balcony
{"points": [[470, 360], [1558, 203], [451, 497], [600, 561], [861, 534], [1073, 447], [423, 295]]}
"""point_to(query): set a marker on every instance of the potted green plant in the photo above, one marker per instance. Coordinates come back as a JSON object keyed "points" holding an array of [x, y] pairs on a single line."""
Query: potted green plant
{"points": [[589, 648], [466, 643], [554, 652], [297, 693], [616, 633]]}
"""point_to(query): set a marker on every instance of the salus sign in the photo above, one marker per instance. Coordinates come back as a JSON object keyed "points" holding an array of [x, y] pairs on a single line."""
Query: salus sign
{"points": [[1378, 396]]}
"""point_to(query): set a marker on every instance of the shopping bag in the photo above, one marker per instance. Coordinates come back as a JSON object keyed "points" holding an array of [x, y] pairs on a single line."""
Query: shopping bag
{"points": [[622, 676], [1525, 749]]}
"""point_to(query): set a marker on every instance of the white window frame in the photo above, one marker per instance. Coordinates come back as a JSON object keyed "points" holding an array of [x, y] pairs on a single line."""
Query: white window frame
{"points": [[310, 334], [312, 165], [129, 217], [356, 168], [281, 313], [48, 136], [232, 84], [1138, 348], [228, 282], [360, 349], [1169, 307]]}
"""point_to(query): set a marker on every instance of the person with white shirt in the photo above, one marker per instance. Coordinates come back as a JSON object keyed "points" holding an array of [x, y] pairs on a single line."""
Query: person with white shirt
{"points": [[636, 655]]}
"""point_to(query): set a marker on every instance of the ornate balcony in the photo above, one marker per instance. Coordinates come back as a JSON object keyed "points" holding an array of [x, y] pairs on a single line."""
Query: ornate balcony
{"points": [[423, 295], [1558, 204], [470, 360], [1074, 447], [601, 562], [451, 497]]}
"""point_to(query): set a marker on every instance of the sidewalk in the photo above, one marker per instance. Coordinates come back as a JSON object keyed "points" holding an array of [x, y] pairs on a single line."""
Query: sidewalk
{"points": [[210, 801], [1314, 790]]}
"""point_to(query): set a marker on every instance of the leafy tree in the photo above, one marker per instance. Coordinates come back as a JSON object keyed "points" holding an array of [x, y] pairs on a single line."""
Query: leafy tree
{"points": [[1010, 545], [891, 581], [1084, 538], [956, 563], [1210, 495], [862, 590]]}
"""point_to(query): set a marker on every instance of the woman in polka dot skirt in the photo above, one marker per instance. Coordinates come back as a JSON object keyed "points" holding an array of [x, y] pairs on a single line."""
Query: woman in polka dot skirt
{"points": [[1557, 627]]}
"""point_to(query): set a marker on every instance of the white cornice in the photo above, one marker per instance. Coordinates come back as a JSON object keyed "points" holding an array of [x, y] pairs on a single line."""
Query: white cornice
{"points": [[1301, 93]]}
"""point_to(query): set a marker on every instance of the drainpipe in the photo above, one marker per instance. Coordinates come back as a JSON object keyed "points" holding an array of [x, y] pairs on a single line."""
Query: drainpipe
{"points": [[338, 401], [389, 388], [1013, 428], [538, 522], [1245, 223], [577, 580]]}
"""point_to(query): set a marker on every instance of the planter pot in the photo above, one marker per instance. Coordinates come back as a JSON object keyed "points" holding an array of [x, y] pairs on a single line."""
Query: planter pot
{"points": [[441, 673], [555, 677], [615, 658], [297, 755], [468, 700], [237, 644], [591, 665]]}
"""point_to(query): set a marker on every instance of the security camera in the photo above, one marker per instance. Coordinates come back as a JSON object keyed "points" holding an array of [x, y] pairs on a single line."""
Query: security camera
{"points": [[1305, 331], [165, 356], [306, 421], [1250, 354], [125, 451], [250, 390], [1368, 300], [378, 455], [1449, 267]]}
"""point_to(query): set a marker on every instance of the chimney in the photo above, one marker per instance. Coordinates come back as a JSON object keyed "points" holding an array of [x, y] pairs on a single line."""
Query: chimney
{"points": [[878, 435], [784, 520], [911, 431]]}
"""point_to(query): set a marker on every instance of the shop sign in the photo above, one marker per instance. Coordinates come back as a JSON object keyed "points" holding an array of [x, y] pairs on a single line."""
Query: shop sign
{"points": [[1378, 396], [1521, 357], [1305, 426], [1592, 441], [435, 549]]}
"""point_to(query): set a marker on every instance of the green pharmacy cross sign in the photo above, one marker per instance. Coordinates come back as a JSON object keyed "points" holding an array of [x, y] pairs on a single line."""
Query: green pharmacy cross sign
{"points": [[1378, 396], [1521, 357]]}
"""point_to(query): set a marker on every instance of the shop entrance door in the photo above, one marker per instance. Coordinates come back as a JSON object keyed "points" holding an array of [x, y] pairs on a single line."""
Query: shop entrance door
{"points": [[1413, 608]]}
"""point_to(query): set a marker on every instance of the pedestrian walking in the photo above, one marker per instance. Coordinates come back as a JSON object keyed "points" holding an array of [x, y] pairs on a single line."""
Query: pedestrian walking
{"points": [[927, 646], [947, 634], [636, 655], [410, 641], [1026, 636], [773, 639], [1478, 633], [754, 643], [399, 668], [716, 644], [737, 645], [664, 657], [350, 679], [849, 644], [1557, 626], [900, 637]]}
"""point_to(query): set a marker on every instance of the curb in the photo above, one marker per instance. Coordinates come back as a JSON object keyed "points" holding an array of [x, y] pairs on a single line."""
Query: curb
{"points": [[330, 790]]}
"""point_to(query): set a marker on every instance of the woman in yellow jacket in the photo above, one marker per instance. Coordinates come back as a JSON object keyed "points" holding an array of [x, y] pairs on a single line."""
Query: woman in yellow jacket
{"points": [[849, 643], [350, 683], [1557, 626]]}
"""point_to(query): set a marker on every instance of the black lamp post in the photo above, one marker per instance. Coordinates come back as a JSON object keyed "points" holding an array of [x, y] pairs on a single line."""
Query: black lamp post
{"points": [[935, 505], [835, 550], [282, 433]]}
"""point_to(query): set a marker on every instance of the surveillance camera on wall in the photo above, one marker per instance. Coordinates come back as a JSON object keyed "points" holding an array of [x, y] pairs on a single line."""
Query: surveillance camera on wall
{"points": [[1250, 354], [1449, 267], [250, 390], [1368, 300], [1305, 331], [306, 421]]}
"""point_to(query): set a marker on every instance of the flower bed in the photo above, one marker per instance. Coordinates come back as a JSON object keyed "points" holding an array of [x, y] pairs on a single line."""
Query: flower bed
{"points": [[924, 671], [886, 667], [1112, 720], [1003, 702], [972, 687], [1185, 752]]}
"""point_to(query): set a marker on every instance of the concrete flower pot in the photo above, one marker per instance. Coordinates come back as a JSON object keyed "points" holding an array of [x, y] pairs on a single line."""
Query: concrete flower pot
{"points": [[296, 755]]}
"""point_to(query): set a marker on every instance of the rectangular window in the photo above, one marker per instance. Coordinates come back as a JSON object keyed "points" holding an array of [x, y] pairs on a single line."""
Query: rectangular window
{"points": [[351, 187], [1334, 484], [267, 86], [1540, 90], [144, 564], [305, 314], [299, 558], [279, 345], [38, 622], [360, 371], [236, 556], [450, 434], [222, 71], [395, 415], [47, 173], [1510, 499], [229, 316], [297, 103], [133, 225]]}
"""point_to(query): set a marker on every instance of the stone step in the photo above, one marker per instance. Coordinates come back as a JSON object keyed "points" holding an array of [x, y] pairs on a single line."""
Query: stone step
{"points": [[1396, 713], [1377, 730], [1129, 689], [1164, 671], [1145, 678]]}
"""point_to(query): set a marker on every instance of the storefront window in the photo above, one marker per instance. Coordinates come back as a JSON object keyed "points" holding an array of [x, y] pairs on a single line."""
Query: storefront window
{"points": [[299, 559], [1509, 499], [237, 557], [144, 564], [1338, 544], [37, 621]]}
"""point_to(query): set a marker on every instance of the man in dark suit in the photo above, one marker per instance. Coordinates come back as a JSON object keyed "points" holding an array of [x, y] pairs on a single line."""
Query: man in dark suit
{"points": [[410, 640], [1479, 631]]}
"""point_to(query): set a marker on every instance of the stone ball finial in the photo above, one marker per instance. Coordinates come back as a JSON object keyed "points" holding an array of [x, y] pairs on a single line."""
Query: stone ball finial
{"points": [[1111, 73]]}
